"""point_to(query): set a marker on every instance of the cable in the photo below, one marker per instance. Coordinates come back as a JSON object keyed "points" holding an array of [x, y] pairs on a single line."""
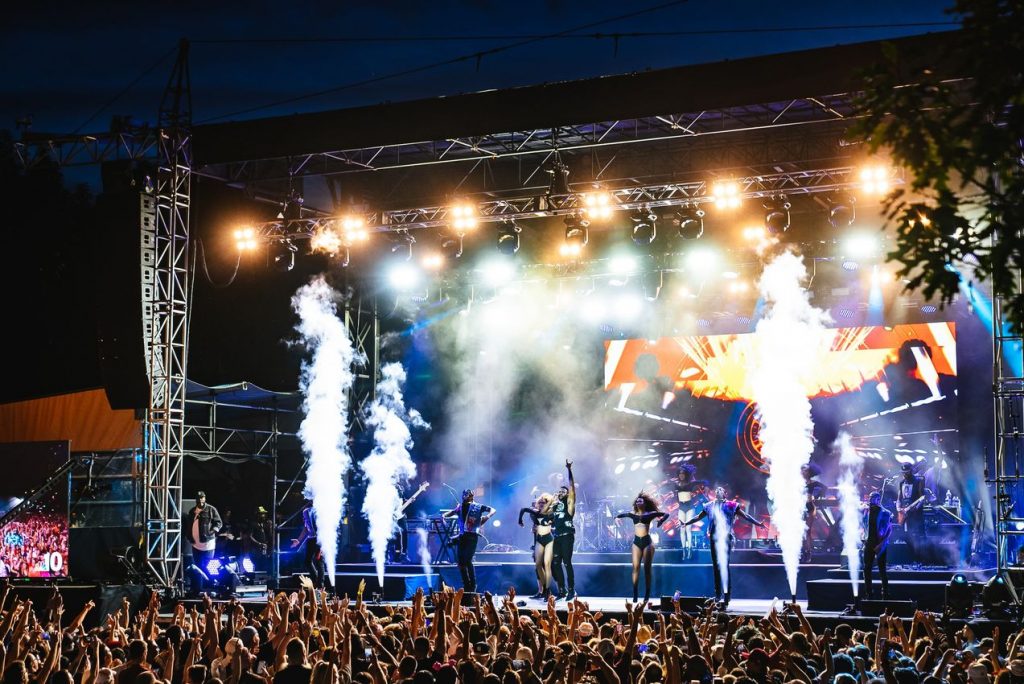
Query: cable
{"points": [[575, 36], [478, 56], [201, 252], [126, 89]]}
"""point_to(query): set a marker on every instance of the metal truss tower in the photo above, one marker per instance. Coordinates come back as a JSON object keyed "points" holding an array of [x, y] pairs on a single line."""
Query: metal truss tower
{"points": [[166, 264], [1008, 398]]}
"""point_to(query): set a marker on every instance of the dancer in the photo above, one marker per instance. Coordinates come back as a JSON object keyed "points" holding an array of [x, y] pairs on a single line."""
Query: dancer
{"points": [[645, 510], [690, 495], [543, 542], [471, 517], [722, 514], [878, 529], [815, 490], [562, 510]]}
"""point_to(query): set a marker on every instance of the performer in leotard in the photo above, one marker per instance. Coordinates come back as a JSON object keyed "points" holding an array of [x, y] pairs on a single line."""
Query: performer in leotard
{"points": [[690, 494], [543, 545], [645, 510]]}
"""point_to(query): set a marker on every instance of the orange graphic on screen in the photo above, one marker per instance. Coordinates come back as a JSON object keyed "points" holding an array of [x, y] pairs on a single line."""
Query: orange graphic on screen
{"points": [[719, 366]]}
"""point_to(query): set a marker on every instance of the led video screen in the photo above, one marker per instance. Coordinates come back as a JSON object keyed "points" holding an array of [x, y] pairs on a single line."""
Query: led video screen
{"points": [[35, 538], [687, 400]]}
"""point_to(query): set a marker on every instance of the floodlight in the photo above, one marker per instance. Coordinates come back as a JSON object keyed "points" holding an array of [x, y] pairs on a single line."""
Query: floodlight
{"points": [[726, 194], [689, 221]]}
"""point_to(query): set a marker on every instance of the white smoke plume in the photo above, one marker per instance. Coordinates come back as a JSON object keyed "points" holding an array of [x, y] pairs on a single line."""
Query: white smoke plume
{"points": [[790, 343], [425, 556], [722, 545], [390, 462], [325, 381], [851, 465]]}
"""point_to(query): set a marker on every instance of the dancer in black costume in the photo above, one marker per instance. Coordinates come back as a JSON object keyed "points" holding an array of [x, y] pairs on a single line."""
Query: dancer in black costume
{"points": [[645, 510], [562, 510], [543, 542]]}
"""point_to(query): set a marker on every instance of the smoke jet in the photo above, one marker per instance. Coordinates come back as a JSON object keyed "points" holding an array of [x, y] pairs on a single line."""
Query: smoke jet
{"points": [[851, 464], [325, 382], [790, 345], [389, 463]]}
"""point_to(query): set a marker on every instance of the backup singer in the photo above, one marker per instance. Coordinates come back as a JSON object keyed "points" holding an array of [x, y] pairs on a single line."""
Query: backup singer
{"points": [[471, 517], [562, 510], [645, 511], [543, 542], [722, 514], [878, 526]]}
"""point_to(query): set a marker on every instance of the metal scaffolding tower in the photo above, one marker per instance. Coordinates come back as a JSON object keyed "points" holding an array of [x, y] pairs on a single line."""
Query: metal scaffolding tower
{"points": [[166, 265], [1008, 398]]}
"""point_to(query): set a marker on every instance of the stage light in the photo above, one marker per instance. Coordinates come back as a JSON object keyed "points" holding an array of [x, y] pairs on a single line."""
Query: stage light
{"points": [[997, 595], [495, 523], [576, 235], [622, 264], [463, 216], [850, 265], [354, 229], [644, 228], [451, 247], [959, 596], [860, 246], [559, 172], [497, 272], [597, 206], [213, 567], [841, 211], [508, 237], [282, 254], [776, 214], [930, 309], [593, 309], [433, 261], [689, 222], [245, 239], [702, 261], [726, 194], [628, 307], [874, 179], [738, 287], [291, 210], [247, 565], [403, 276]]}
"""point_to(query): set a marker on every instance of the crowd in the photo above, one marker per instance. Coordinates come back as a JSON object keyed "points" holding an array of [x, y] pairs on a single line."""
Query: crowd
{"points": [[310, 638]]}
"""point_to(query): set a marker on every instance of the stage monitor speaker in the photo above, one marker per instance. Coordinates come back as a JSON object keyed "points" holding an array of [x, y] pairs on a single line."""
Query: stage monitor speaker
{"points": [[125, 280], [688, 604], [903, 609]]}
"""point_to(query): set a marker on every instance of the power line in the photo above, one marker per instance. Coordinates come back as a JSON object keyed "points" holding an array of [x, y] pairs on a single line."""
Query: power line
{"points": [[573, 36], [478, 56], [126, 89]]}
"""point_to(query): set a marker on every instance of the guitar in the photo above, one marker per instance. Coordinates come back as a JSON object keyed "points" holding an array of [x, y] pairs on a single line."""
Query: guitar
{"points": [[408, 502], [901, 513]]}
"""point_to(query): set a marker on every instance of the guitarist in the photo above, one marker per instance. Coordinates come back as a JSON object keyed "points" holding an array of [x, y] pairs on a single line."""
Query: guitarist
{"points": [[910, 499], [401, 540], [878, 528]]}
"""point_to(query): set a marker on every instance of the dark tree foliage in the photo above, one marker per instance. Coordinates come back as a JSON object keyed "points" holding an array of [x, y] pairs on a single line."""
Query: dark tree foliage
{"points": [[960, 139]]}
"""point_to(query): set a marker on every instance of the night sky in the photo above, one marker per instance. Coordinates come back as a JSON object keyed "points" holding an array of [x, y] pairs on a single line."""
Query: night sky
{"points": [[65, 68]]}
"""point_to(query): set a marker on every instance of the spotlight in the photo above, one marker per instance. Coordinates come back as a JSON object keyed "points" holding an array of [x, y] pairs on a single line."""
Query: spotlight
{"points": [[850, 265], [245, 239], [402, 244], [463, 216], [860, 246], [282, 254], [644, 229], [403, 276], [247, 565], [213, 567], [497, 272], [959, 596], [433, 261], [508, 237], [930, 309], [628, 307], [702, 260], [726, 194], [776, 215], [874, 180], [623, 264], [597, 206], [354, 229], [753, 233], [689, 221], [495, 523], [559, 172], [576, 235], [841, 211]]}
